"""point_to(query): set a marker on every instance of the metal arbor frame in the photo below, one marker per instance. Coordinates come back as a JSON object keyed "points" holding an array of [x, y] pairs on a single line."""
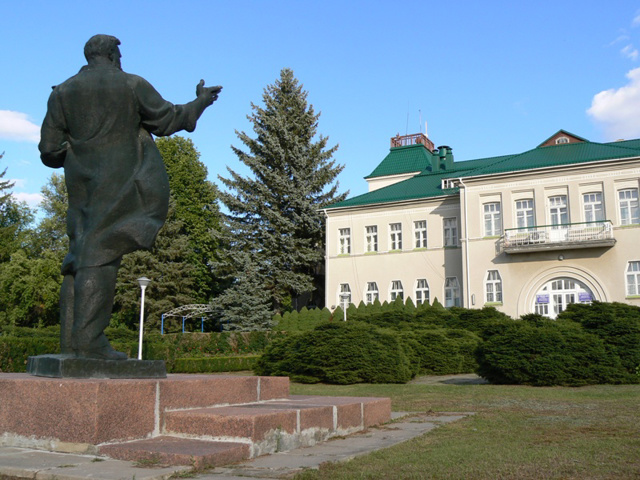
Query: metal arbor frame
{"points": [[188, 311]]}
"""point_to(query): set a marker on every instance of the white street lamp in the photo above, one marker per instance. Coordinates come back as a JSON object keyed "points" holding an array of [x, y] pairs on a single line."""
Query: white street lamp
{"points": [[143, 282], [345, 297]]}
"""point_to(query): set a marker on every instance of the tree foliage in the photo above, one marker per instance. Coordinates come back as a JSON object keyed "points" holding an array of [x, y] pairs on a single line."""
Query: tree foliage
{"points": [[179, 264], [274, 213]]}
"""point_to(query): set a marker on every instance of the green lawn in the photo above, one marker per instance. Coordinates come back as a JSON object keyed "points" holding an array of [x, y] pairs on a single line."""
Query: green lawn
{"points": [[517, 432]]}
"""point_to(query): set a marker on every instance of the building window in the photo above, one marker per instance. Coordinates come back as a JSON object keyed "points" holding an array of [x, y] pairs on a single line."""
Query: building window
{"points": [[396, 290], [493, 287], [371, 295], [345, 295], [420, 233], [492, 219], [395, 236], [633, 278], [451, 292], [344, 241], [561, 140], [371, 238], [422, 291], [524, 213], [558, 212], [593, 211], [629, 211], [450, 232]]}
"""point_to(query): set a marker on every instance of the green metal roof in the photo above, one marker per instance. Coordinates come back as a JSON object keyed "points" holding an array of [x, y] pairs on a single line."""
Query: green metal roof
{"points": [[428, 184], [407, 159]]}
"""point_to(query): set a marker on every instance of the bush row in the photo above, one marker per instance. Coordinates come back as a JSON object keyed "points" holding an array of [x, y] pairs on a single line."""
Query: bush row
{"points": [[19, 343]]}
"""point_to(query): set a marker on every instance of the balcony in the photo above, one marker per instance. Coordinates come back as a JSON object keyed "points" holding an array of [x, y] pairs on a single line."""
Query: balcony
{"points": [[557, 237]]}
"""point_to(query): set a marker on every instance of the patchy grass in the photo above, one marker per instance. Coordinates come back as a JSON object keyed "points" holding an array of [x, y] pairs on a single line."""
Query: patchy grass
{"points": [[517, 433]]}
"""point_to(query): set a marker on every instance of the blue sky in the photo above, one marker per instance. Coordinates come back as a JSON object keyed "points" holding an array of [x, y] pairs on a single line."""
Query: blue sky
{"points": [[490, 77]]}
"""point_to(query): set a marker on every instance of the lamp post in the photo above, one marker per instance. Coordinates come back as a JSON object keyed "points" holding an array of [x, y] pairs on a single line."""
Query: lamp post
{"points": [[143, 282], [345, 297]]}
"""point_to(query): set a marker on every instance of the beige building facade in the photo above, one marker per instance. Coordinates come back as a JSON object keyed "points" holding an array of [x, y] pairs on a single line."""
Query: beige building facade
{"points": [[529, 232]]}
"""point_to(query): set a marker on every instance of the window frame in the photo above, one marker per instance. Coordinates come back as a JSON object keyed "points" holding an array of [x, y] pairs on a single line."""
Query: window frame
{"points": [[590, 203], [493, 287], [452, 296], [629, 218], [450, 231], [344, 239], [396, 290], [395, 236], [524, 214], [494, 217], [558, 213], [371, 294], [371, 238], [632, 272], [420, 291], [420, 233]]}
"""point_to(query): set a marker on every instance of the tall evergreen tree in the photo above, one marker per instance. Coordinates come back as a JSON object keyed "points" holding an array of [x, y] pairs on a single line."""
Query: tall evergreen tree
{"points": [[274, 213]]}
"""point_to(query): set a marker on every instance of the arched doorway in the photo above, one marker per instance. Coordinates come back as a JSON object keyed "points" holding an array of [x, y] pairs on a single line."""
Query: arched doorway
{"points": [[553, 297]]}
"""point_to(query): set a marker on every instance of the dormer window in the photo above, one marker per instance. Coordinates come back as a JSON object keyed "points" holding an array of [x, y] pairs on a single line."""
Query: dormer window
{"points": [[448, 183], [561, 140]]}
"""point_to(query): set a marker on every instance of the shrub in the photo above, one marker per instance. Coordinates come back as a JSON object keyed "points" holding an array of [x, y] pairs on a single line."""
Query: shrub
{"points": [[617, 324], [442, 351], [339, 353], [548, 354], [214, 364]]}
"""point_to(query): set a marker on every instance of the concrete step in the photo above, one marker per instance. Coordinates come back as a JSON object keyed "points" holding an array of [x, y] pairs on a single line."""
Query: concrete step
{"points": [[280, 425], [167, 450]]}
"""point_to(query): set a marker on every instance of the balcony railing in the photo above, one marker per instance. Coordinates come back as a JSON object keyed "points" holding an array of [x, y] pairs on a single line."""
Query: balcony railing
{"points": [[557, 237]]}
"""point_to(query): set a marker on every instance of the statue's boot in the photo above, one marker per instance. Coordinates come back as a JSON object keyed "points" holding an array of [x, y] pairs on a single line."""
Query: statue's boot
{"points": [[94, 291]]}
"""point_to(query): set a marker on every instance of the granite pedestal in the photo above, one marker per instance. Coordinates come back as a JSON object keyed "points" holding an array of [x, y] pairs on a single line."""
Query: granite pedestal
{"points": [[70, 366]]}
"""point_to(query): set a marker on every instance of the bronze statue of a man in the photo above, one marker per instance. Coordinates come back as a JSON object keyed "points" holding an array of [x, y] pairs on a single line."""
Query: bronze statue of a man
{"points": [[98, 127]]}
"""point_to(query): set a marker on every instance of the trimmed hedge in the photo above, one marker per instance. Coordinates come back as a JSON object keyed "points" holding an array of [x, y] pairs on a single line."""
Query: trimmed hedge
{"points": [[441, 351], [339, 353], [214, 364], [548, 354]]}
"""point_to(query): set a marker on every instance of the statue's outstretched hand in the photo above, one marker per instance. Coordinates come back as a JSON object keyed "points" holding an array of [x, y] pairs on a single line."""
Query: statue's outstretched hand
{"points": [[211, 93]]}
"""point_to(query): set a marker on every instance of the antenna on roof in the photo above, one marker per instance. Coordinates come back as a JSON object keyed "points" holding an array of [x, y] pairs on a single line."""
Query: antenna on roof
{"points": [[425, 129]]}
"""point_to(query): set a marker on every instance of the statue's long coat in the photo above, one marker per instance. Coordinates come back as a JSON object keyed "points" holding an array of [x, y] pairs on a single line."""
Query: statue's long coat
{"points": [[98, 127]]}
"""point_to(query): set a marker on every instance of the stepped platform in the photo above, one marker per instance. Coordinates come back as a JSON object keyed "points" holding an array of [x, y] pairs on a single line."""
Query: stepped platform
{"points": [[198, 420]]}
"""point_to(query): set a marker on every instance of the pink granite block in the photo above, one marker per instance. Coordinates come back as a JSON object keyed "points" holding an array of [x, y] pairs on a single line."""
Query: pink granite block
{"points": [[273, 387], [250, 422], [179, 451], [196, 391], [311, 416], [76, 410], [349, 415], [376, 411]]}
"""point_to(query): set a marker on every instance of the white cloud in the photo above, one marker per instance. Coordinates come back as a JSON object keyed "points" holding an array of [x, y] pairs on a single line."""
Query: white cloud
{"points": [[616, 110], [32, 199], [17, 126], [630, 52], [636, 21]]}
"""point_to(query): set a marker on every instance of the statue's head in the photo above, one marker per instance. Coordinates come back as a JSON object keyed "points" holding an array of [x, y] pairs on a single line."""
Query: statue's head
{"points": [[101, 47]]}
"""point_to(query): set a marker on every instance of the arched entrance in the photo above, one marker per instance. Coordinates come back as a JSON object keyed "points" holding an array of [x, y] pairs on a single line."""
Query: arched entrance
{"points": [[551, 290], [556, 294]]}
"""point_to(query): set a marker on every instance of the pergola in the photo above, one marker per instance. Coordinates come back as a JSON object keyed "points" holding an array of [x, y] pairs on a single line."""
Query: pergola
{"points": [[188, 311]]}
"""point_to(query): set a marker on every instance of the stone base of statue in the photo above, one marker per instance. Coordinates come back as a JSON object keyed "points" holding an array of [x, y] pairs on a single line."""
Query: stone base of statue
{"points": [[70, 366], [196, 420]]}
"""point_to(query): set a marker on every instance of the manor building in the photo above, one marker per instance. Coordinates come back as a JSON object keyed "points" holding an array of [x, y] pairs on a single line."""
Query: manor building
{"points": [[528, 232]]}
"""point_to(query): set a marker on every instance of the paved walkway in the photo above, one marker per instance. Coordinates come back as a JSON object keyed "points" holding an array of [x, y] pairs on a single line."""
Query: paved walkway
{"points": [[23, 463]]}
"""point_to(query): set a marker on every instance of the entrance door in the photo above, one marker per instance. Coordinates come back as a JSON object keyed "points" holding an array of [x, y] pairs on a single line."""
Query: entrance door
{"points": [[556, 295]]}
